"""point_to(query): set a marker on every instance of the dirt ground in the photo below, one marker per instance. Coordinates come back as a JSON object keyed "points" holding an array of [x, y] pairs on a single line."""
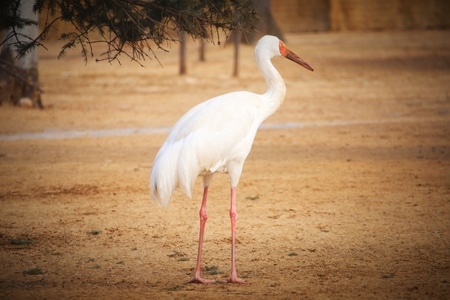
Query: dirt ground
{"points": [[345, 195]]}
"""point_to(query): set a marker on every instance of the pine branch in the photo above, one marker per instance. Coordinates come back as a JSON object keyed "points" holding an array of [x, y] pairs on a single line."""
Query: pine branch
{"points": [[126, 27]]}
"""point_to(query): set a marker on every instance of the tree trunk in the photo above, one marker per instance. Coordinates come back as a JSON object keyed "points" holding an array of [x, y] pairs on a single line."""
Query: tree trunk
{"points": [[19, 77], [201, 51], [237, 43], [267, 23], [182, 70]]}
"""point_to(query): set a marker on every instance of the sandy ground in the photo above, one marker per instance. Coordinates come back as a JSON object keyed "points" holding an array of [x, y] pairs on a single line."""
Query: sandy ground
{"points": [[345, 195]]}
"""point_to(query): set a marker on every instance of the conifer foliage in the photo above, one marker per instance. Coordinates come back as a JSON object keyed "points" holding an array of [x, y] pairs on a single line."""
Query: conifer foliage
{"points": [[130, 28]]}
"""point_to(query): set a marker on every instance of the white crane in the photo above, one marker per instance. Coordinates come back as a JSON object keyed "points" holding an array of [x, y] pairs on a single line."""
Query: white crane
{"points": [[216, 136]]}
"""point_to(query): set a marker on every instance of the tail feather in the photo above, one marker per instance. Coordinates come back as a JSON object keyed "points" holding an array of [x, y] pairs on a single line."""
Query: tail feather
{"points": [[163, 178], [187, 170]]}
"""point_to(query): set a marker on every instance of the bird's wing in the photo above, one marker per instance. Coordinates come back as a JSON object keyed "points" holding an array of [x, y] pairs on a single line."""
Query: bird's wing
{"points": [[214, 133], [234, 111]]}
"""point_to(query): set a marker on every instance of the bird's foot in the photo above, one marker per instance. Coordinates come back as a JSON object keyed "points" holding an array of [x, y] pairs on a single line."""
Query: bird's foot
{"points": [[198, 279], [235, 279]]}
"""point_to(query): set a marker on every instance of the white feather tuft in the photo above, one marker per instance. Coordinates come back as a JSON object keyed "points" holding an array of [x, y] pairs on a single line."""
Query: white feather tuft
{"points": [[163, 178]]}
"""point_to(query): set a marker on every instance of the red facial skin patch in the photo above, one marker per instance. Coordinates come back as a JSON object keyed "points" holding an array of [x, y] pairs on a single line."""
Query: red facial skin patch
{"points": [[283, 49]]}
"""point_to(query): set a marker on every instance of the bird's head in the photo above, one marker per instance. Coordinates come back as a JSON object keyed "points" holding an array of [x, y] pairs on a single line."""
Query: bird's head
{"points": [[273, 46]]}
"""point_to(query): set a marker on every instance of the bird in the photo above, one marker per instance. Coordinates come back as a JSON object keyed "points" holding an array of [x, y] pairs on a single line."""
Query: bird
{"points": [[216, 136]]}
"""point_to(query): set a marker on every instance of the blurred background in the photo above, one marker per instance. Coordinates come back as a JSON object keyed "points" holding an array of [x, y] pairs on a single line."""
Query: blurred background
{"points": [[341, 15]]}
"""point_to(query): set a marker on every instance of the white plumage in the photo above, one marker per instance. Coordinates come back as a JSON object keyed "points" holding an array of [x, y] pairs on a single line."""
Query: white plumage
{"points": [[204, 143], [216, 136]]}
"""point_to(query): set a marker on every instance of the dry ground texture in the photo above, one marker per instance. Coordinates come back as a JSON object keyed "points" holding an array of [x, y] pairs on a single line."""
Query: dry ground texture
{"points": [[345, 195]]}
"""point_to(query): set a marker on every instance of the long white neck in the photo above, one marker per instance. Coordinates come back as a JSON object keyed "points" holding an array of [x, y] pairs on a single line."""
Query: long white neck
{"points": [[276, 89]]}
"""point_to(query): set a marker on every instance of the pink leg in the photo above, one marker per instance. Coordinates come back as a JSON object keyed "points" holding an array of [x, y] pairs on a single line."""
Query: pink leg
{"points": [[203, 218], [233, 218]]}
